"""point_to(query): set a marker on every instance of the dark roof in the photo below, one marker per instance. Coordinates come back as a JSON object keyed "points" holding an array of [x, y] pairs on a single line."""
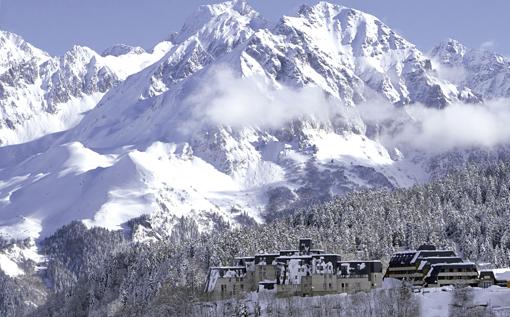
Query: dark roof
{"points": [[440, 259], [402, 258], [409, 258], [267, 257], [288, 252], [244, 258], [227, 267], [426, 247], [433, 253], [489, 273]]}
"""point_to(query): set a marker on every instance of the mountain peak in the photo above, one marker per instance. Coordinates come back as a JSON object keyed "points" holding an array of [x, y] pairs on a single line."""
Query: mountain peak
{"points": [[486, 73], [237, 10], [11, 37], [240, 6], [79, 53], [322, 7], [452, 45], [6, 35], [328, 10], [449, 51], [13, 49]]}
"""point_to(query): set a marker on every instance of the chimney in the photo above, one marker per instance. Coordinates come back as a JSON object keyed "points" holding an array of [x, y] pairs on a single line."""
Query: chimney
{"points": [[305, 245]]}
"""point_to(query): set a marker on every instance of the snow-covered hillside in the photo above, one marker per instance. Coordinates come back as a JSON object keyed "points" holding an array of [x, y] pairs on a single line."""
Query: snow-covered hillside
{"points": [[232, 117], [40, 94]]}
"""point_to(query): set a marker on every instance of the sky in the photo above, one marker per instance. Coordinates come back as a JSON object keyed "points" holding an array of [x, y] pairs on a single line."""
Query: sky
{"points": [[56, 25]]}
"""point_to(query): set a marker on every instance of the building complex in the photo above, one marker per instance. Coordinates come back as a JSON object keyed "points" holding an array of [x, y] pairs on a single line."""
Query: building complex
{"points": [[429, 267], [306, 271], [301, 272]]}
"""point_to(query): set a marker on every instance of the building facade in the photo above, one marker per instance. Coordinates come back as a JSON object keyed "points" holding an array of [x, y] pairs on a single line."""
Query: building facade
{"points": [[301, 272], [429, 267]]}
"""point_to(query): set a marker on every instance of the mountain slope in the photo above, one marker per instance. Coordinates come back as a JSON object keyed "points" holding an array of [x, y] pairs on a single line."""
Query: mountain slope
{"points": [[40, 94], [349, 53], [240, 120]]}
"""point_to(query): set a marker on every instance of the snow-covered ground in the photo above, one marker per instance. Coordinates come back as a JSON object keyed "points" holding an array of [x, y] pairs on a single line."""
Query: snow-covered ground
{"points": [[109, 188], [430, 302], [438, 302], [14, 257], [128, 63]]}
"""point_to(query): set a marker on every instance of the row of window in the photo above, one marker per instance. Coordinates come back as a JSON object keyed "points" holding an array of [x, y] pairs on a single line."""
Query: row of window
{"points": [[237, 279], [224, 288], [458, 270]]}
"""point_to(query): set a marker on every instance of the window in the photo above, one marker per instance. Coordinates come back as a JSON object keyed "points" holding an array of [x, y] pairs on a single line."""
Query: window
{"points": [[330, 286]]}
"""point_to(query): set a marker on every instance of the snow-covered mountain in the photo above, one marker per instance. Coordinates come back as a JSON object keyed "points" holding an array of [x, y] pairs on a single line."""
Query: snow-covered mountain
{"points": [[166, 141], [486, 73], [40, 94]]}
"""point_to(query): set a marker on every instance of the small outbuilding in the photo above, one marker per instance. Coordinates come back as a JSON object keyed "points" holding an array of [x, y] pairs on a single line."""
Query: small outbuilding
{"points": [[499, 277]]}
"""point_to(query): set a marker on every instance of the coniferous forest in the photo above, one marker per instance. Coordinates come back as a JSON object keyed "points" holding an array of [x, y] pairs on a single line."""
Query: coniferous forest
{"points": [[96, 271]]}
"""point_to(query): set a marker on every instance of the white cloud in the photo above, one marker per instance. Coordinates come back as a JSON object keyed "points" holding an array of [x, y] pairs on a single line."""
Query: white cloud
{"points": [[225, 99], [437, 130], [453, 74]]}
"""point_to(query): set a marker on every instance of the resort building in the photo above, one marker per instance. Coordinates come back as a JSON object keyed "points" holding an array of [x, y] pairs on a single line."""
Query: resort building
{"points": [[499, 277], [429, 267], [301, 272]]}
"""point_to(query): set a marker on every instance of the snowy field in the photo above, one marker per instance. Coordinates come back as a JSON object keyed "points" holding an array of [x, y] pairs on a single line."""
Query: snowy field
{"points": [[432, 302]]}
